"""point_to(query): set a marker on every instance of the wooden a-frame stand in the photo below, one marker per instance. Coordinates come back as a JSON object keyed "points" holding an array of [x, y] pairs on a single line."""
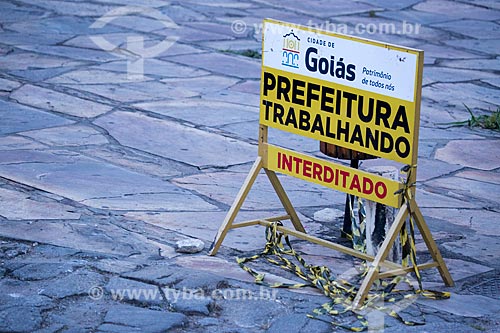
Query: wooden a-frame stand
{"points": [[376, 262]]}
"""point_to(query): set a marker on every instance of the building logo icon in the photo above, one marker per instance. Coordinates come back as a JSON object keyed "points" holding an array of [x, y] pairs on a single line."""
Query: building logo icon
{"points": [[291, 50]]}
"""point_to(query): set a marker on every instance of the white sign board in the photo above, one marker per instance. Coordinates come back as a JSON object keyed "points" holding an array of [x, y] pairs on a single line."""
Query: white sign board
{"points": [[335, 58]]}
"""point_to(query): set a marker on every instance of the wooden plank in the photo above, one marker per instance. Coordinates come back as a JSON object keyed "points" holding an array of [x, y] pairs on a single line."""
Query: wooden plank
{"points": [[235, 208], [431, 244], [280, 191], [406, 270], [330, 245], [255, 222], [263, 137]]}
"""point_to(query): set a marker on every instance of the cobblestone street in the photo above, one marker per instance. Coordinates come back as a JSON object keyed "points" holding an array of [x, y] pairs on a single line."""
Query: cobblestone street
{"points": [[127, 126]]}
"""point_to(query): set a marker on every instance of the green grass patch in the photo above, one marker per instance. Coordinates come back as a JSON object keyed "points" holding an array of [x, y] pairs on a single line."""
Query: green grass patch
{"points": [[491, 121]]}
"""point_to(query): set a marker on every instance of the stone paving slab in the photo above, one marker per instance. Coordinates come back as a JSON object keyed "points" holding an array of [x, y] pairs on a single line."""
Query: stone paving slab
{"points": [[479, 97], [432, 115], [25, 60], [87, 180], [131, 318], [30, 308], [415, 16], [152, 67], [73, 135], [134, 92], [493, 82], [318, 7], [459, 270], [466, 305], [480, 175], [250, 130], [13, 12], [445, 134], [86, 314], [18, 118], [114, 39], [106, 239], [443, 52], [205, 84], [480, 247], [171, 140], [489, 46], [14, 142], [467, 188], [42, 271], [384, 34], [443, 74], [477, 220], [231, 96], [449, 327], [74, 284], [41, 74], [191, 35], [473, 28], [66, 25], [94, 76], [229, 65], [477, 64], [18, 38], [138, 161], [169, 200], [202, 113], [68, 8], [479, 153], [460, 10], [72, 52], [55, 101], [8, 85], [20, 206], [428, 199], [248, 86]]}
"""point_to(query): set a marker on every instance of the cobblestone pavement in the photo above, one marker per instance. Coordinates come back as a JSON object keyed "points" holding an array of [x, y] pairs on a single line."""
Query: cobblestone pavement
{"points": [[125, 129]]}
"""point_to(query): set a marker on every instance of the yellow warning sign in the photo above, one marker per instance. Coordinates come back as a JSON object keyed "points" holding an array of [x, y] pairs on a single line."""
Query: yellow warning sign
{"points": [[354, 93], [333, 175]]}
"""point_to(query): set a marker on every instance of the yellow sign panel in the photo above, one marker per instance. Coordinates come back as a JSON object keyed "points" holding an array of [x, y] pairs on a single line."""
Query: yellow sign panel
{"points": [[333, 175], [352, 118], [351, 92]]}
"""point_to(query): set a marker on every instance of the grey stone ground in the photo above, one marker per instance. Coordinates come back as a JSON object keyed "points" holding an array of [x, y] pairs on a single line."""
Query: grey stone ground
{"points": [[101, 172]]}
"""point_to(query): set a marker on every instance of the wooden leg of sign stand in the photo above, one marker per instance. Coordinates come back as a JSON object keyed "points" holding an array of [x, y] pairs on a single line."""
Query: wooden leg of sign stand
{"points": [[284, 200], [238, 202], [227, 224], [431, 244], [373, 271]]}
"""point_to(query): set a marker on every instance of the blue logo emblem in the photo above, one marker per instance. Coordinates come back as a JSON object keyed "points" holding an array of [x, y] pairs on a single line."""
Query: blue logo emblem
{"points": [[291, 50]]}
